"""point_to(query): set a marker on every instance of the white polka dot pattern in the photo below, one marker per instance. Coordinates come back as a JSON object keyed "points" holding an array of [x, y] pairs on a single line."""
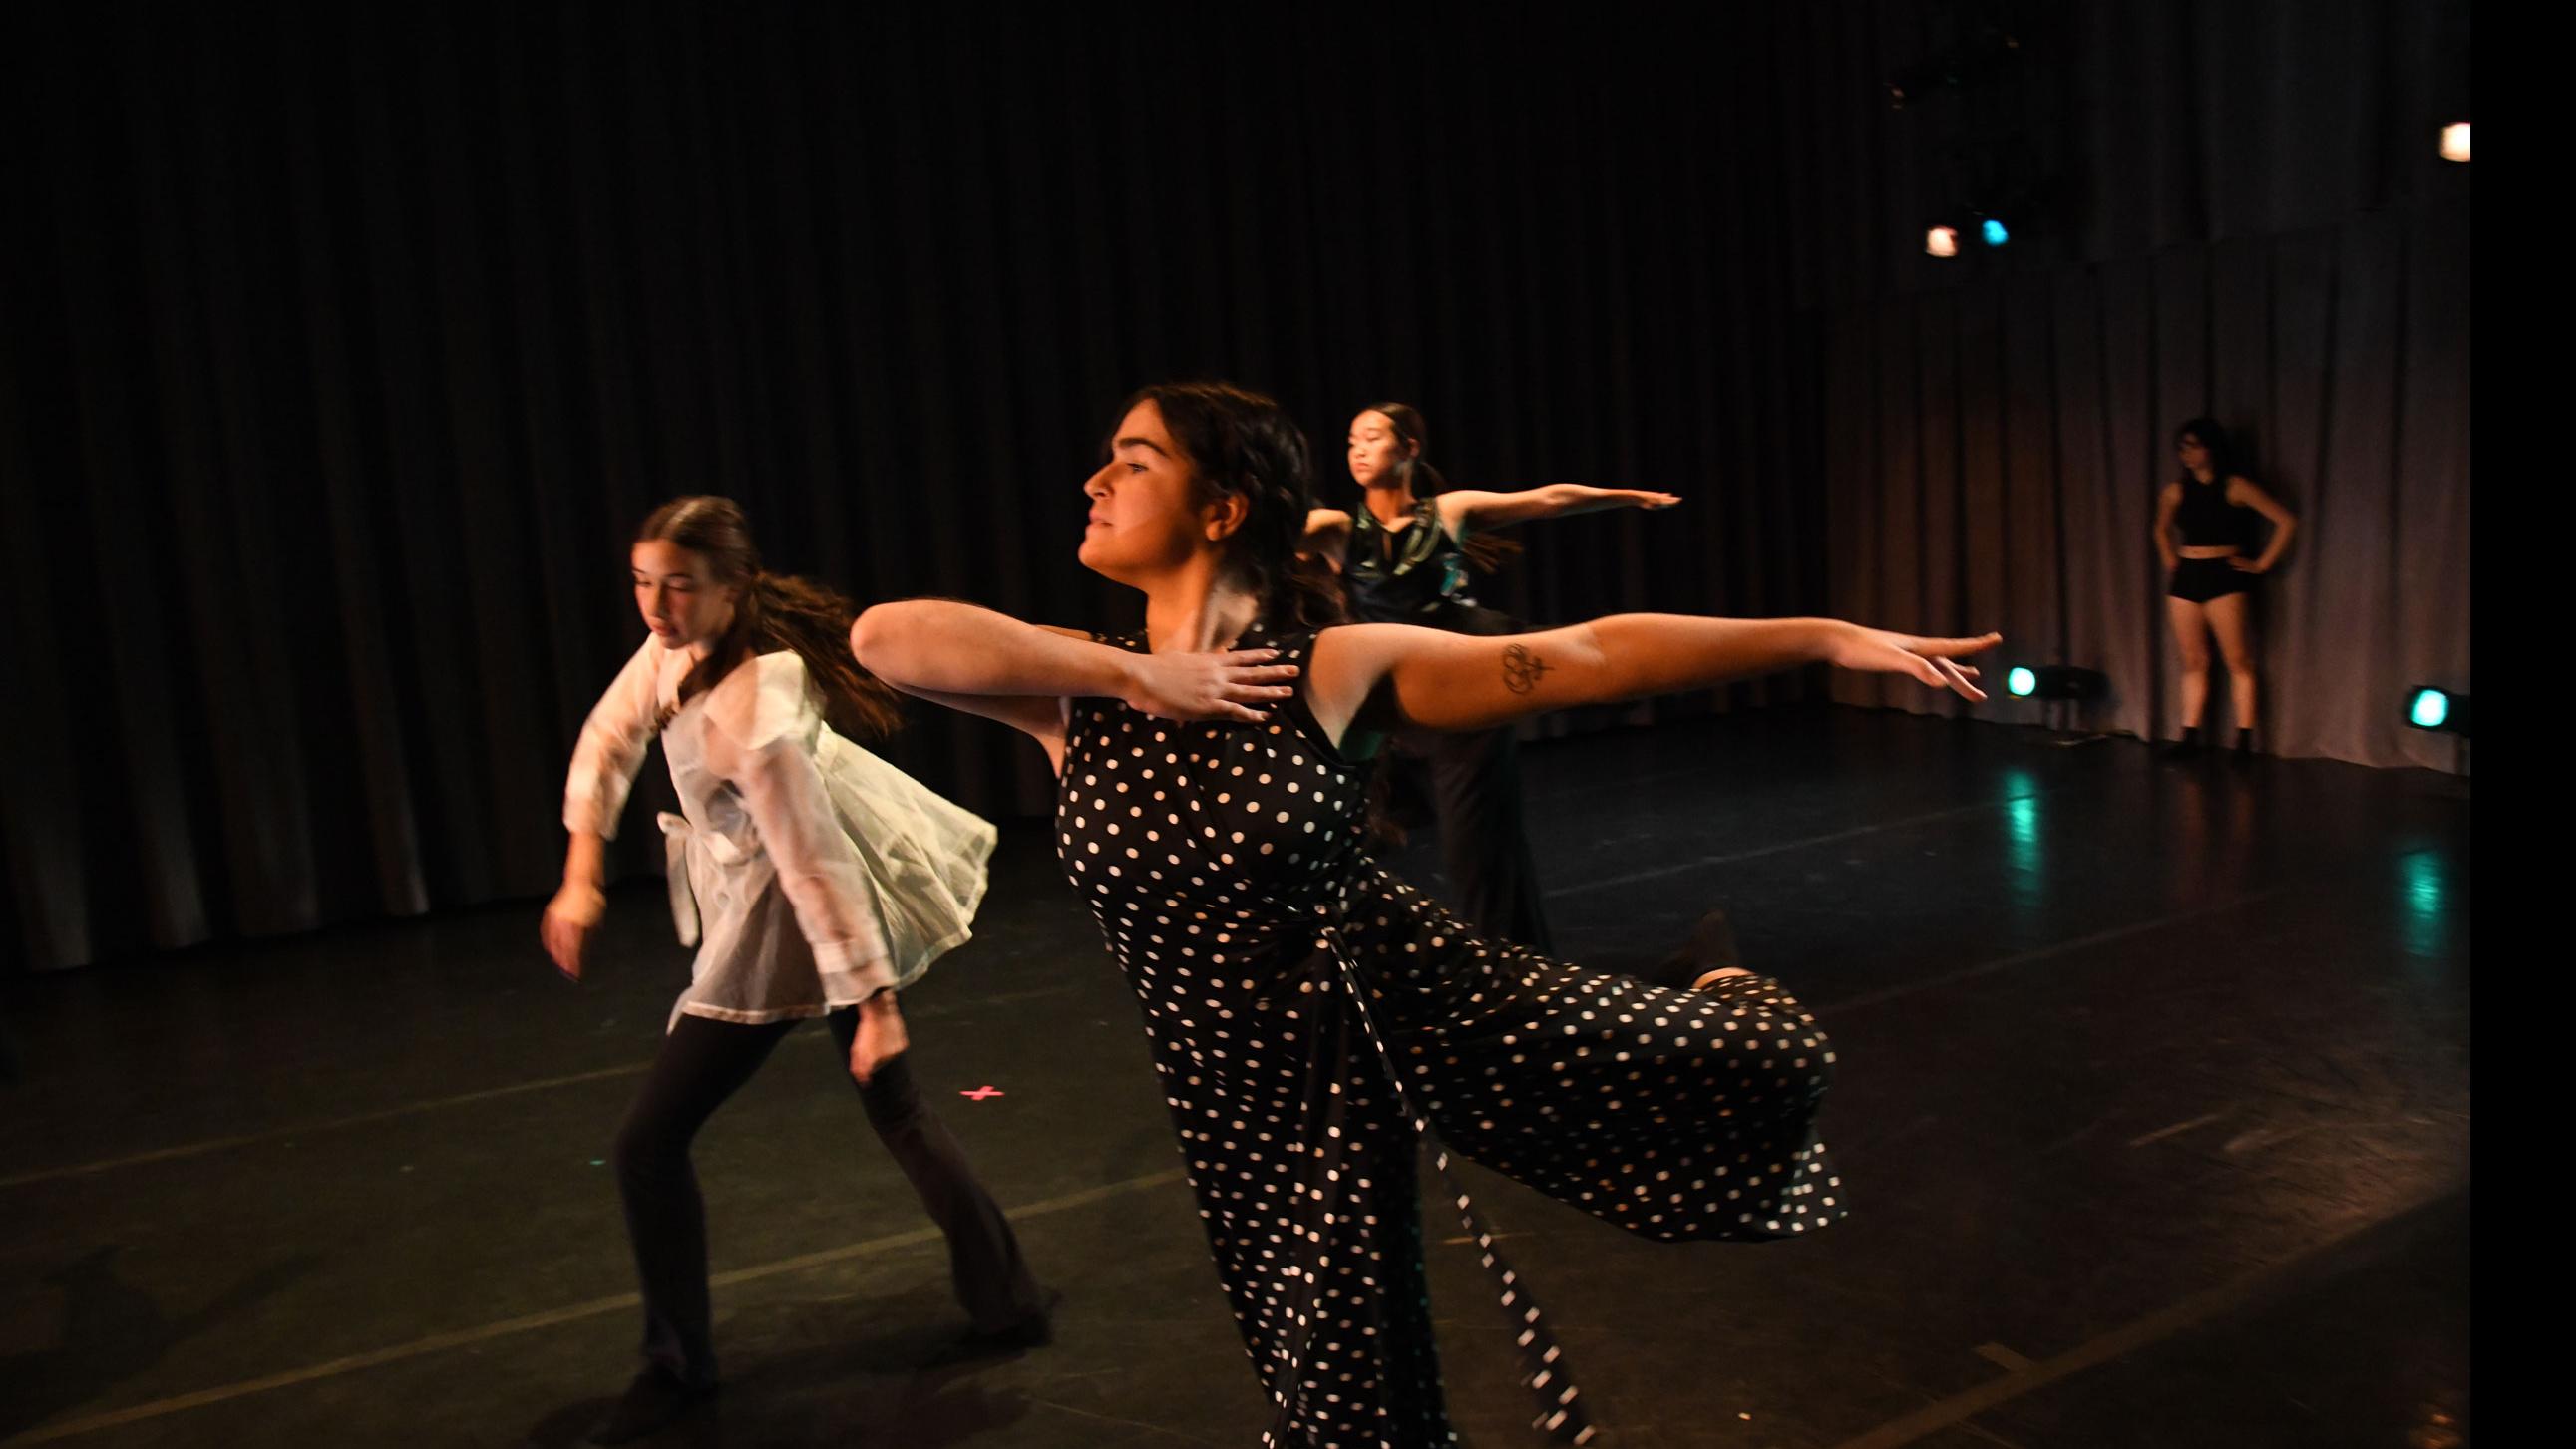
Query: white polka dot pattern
{"points": [[1223, 862]]}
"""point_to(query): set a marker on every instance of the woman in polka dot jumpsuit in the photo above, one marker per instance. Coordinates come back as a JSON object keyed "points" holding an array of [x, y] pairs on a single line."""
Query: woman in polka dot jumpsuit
{"points": [[1311, 1016]]}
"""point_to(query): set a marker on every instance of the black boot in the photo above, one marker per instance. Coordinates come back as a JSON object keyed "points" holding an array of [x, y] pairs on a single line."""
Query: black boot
{"points": [[1709, 947], [1035, 1331], [2186, 747], [653, 1402]]}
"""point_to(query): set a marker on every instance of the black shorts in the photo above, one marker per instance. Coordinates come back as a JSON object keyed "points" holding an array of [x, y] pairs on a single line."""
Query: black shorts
{"points": [[2199, 580]]}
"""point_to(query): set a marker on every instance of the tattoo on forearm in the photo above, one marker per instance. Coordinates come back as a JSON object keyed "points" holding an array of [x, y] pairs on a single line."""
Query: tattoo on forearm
{"points": [[1522, 670]]}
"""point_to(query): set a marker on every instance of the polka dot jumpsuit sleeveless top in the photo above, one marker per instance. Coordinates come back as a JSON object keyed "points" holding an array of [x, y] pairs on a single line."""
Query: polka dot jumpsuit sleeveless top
{"points": [[1308, 1013]]}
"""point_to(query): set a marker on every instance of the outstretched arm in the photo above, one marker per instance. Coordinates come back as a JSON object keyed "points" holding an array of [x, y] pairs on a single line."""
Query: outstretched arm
{"points": [[1468, 510], [1444, 681], [991, 664]]}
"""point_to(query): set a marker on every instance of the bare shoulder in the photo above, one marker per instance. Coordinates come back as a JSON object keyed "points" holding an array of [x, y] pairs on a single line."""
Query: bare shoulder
{"points": [[1345, 644], [1347, 660], [1458, 508], [1346, 665]]}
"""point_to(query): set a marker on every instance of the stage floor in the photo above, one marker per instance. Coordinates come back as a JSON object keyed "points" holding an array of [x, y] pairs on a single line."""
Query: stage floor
{"points": [[2153, 1109]]}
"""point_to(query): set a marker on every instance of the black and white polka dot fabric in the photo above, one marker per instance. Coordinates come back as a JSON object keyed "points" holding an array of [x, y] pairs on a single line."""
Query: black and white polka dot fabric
{"points": [[1288, 985]]}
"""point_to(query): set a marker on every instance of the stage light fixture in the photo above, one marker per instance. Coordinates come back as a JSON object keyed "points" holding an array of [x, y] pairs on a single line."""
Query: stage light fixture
{"points": [[2439, 710], [2055, 681]]}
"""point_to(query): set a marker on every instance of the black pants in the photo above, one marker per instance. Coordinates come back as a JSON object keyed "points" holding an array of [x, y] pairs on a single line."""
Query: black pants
{"points": [[1475, 789], [703, 1062]]}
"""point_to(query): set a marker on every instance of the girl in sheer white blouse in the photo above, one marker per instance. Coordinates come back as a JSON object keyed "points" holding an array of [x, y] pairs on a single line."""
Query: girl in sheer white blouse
{"points": [[813, 877]]}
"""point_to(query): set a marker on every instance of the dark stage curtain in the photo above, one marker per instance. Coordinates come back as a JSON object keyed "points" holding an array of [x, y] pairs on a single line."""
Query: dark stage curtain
{"points": [[2261, 229], [2004, 445], [349, 348], [341, 350]]}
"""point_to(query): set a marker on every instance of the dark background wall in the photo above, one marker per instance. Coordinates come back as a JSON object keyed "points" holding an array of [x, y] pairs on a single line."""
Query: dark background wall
{"points": [[339, 354]]}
